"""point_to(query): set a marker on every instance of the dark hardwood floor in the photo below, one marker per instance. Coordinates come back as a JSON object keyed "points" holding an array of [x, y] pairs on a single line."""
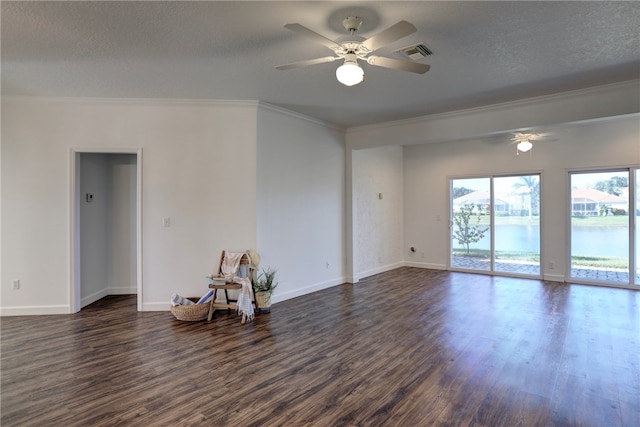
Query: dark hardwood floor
{"points": [[410, 347]]}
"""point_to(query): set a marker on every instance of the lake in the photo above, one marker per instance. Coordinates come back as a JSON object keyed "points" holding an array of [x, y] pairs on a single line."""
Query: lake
{"points": [[607, 241]]}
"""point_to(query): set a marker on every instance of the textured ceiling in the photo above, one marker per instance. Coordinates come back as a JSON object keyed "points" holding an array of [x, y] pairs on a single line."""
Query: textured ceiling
{"points": [[484, 52]]}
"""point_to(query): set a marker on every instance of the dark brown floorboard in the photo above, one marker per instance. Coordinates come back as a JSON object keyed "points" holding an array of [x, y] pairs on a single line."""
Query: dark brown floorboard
{"points": [[409, 347]]}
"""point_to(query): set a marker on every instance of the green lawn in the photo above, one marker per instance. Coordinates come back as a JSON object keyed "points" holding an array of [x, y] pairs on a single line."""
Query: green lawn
{"points": [[600, 221], [577, 261], [502, 255]]}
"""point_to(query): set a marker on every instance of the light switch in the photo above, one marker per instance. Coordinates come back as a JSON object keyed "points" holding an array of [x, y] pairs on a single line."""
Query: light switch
{"points": [[166, 222]]}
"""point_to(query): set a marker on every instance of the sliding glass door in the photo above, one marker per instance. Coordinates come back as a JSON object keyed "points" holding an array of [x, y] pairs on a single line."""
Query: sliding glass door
{"points": [[495, 224], [600, 227]]}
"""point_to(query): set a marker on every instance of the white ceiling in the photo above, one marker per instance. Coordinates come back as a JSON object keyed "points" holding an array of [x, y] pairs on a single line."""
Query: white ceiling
{"points": [[484, 52]]}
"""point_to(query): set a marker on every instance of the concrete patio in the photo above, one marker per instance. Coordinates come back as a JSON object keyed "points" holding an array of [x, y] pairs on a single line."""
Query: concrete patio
{"points": [[533, 269]]}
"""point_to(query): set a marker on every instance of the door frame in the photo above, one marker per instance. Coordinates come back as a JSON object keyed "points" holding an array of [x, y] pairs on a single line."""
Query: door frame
{"points": [[74, 221], [492, 270], [633, 240]]}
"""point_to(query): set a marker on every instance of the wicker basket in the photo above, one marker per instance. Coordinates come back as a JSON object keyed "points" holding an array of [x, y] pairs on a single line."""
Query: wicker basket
{"points": [[191, 313]]}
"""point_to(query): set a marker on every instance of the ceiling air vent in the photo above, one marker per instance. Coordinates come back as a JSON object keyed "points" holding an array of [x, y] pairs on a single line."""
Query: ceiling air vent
{"points": [[416, 52]]}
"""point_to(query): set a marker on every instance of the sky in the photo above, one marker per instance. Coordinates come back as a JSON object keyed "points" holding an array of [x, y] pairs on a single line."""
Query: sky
{"points": [[589, 179], [502, 184]]}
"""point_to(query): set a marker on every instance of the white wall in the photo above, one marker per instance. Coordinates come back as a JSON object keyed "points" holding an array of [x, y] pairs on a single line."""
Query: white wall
{"points": [[94, 230], [122, 225], [199, 169], [300, 202], [379, 221]]}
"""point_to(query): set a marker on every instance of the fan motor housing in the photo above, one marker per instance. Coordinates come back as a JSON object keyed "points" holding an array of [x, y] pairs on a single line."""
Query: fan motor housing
{"points": [[352, 23]]}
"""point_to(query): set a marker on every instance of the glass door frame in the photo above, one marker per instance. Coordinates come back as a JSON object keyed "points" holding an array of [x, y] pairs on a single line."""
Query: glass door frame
{"points": [[633, 236], [492, 214]]}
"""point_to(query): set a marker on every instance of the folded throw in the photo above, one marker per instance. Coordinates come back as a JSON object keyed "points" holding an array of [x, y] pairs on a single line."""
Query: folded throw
{"points": [[230, 263], [245, 305], [206, 297], [179, 300]]}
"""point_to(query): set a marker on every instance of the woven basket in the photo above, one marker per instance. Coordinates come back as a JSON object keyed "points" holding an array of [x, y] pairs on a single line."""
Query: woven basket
{"points": [[191, 313]]}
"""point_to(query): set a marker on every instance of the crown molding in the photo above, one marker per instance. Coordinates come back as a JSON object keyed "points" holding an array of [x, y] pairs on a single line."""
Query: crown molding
{"points": [[286, 112], [578, 93], [133, 101]]}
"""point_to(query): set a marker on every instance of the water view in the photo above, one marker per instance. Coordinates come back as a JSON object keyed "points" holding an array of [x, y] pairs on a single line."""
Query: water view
{"points": [[599, 235], [586, 241]]}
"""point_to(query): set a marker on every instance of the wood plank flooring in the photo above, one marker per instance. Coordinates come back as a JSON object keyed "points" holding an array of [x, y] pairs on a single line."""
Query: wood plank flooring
{"points": [[409, 347]]}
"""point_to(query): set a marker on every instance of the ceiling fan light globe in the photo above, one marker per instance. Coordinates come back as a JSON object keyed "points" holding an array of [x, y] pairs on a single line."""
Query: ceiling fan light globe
{"points": [[350, 74], [524, 146]]}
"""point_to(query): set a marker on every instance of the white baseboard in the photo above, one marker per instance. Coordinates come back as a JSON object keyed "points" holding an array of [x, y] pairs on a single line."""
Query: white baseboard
{"points": [[156, 306], [166, 305], [62, 309], [393, 266], [34, 310], [278, 297], [380, 269], [90, 299], [426, 265], [123, 290]]}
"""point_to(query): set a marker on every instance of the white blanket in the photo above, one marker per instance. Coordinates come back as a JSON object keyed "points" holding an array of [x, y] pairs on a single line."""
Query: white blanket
{"points": [[245, 305], [229, 267], [180, 300], [230, 263]]}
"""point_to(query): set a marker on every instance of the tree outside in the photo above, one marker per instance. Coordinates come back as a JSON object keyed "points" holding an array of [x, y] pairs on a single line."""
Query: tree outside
{"points": [[467, 233]]}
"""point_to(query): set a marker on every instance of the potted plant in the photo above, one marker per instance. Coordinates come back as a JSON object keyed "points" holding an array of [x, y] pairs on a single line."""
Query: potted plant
{"points": [[263, 288]]}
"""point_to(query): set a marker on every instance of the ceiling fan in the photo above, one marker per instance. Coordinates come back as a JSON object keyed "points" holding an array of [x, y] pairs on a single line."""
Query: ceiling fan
{"points": [[524, 140], [357, 48]]}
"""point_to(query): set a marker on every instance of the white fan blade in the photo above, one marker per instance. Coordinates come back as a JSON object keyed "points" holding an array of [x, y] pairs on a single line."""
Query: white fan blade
{"points": [[391, 34], [398, 64], [307, 62], [304, 31]]}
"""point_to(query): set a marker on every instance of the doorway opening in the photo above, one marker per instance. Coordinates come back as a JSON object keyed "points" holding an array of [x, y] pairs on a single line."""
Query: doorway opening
{"points": [[105, 225]]}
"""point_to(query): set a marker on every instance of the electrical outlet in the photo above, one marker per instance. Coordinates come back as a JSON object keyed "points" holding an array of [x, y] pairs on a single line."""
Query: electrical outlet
{"points": [[166, 222], [16, 285], [327, 265], [551, 265]]}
